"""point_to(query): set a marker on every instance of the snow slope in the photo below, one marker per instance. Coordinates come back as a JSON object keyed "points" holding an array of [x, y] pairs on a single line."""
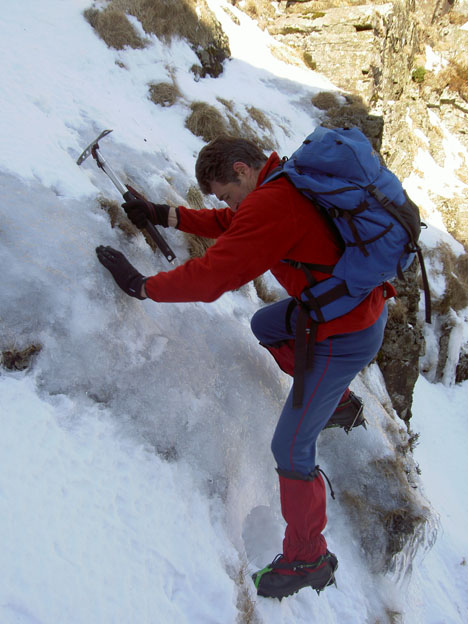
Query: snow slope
{"points": [[136, 480]]}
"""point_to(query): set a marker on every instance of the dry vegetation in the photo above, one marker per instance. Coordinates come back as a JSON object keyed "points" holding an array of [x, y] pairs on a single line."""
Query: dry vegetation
{"points": [[455, 76], [169, 18], [114, 28], [195, 198], [118, 219], [205, 121], [398, 311], [19, 359], [399, 513], [457, 19], [191, 20], [455, 270], [196, 245], [308, 60], [325, 100], [117, 216], [260, 118], [164, 93], [259, 10], [350, 111], [267, 296]]}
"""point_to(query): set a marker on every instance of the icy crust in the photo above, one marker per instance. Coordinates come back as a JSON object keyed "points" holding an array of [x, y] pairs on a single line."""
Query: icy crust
{"points": [[100, 529], [378, 484], [136, 478]]}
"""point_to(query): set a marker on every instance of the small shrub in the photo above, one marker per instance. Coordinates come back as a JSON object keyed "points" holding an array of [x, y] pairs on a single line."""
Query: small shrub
{"points": [[262, 290], [187, 19], [205, 121], [233, 17], [325, 100], [312, 14], [458, 19], [455, 271], [117, 216], [398, 312], [196, 245], [308, 60], [251, 9], [262, 11], [260, 118], [240, 127], [291, 30], [114, 28], [165, 18], [363, 27], [456, 294], [19, 359], [229, 104], [418, 74], [195, 198], [457, 78], [461, 267], [164, 93]]}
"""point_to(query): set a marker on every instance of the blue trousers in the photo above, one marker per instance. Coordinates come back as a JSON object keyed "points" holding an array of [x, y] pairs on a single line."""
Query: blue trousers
{"points": [[336, 361]]}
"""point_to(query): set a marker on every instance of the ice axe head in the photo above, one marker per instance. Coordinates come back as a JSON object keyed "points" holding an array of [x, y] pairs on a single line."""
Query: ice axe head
{"points": [[92, 147], [125, 191]]}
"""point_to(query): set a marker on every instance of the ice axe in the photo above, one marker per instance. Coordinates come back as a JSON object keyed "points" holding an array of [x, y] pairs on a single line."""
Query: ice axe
{"points": [[127, 192]]}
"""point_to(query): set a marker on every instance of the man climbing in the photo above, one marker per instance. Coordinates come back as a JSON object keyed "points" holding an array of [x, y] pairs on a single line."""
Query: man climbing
{"points": [[264, 225]]}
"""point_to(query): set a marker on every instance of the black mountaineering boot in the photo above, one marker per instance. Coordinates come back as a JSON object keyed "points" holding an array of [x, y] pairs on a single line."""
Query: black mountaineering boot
{"points": [[348, 414], [281, 579]]}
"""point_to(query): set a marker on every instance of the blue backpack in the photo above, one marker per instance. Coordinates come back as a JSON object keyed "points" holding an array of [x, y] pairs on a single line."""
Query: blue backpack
{"points": [[379, 225]]}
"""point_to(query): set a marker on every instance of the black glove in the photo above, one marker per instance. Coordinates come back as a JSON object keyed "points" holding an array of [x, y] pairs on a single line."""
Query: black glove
{"points": [[141, 210], [125, 274]]}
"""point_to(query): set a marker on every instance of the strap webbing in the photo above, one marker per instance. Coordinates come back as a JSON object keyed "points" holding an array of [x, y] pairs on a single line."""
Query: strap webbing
{"points": [[303, 351], [427, 292]]}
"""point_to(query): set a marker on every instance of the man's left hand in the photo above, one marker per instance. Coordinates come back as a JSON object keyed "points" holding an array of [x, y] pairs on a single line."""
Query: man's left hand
{"points": [[124, 273]]}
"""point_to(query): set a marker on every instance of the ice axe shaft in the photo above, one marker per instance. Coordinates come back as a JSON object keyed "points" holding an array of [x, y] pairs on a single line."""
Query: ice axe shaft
{"points": [[93, 149]]}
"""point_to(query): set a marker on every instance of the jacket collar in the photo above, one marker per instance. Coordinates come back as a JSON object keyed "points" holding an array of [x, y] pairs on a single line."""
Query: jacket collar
{"points": [[271, 163]]}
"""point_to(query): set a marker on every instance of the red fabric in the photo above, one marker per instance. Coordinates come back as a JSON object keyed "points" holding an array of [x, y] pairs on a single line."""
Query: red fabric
{"points": [[284, 356], [303, 505], [272, 223], [344, 398]]}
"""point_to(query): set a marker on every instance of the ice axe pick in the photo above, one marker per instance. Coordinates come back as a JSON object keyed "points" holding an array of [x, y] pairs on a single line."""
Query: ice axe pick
{"points": [[126, 191]]}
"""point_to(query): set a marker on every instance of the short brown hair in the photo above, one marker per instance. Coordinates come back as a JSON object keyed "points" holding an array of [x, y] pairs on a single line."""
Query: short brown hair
{"points": [[215, 161]]}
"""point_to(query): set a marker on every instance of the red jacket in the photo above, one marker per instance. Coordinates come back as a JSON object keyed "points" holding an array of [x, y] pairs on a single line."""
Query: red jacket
{"points": [[272, 223]]}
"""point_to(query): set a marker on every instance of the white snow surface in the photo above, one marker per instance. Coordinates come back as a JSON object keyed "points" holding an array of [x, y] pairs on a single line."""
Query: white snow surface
{"points": [[136, 479]]}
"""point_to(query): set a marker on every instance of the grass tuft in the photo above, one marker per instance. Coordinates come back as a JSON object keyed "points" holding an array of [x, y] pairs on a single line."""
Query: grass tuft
{"points": [[114, 28], [205, 121], [164, 93]]}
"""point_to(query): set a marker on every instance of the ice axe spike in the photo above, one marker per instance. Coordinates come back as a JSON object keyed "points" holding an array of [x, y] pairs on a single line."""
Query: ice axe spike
{"points": [[93, 149]]}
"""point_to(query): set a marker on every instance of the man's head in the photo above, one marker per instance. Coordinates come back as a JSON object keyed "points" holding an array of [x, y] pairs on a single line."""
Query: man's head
{"points": [[228, 168]]}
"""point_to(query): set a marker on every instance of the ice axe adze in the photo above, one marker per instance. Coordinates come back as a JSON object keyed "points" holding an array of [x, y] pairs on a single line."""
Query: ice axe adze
{"points": [[126, 191]]}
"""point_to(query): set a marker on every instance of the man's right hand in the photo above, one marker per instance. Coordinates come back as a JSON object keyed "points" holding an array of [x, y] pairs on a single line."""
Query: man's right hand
{"points": [[139, 211]]}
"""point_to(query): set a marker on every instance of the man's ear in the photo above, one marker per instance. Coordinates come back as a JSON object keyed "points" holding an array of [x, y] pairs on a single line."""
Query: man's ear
{"points": [[240, 168]]}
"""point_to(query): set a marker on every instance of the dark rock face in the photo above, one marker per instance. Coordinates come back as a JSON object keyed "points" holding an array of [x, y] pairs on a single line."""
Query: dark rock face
{"points": [[462, 368], [403, 344]]}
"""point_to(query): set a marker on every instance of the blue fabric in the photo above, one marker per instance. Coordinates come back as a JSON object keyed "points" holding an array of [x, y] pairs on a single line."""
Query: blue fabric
{"points": [[336, 362], [340, 171], [269, 323]]}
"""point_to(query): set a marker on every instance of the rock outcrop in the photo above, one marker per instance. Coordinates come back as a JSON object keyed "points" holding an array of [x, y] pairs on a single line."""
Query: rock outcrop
{"points": [[404, 61]]}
